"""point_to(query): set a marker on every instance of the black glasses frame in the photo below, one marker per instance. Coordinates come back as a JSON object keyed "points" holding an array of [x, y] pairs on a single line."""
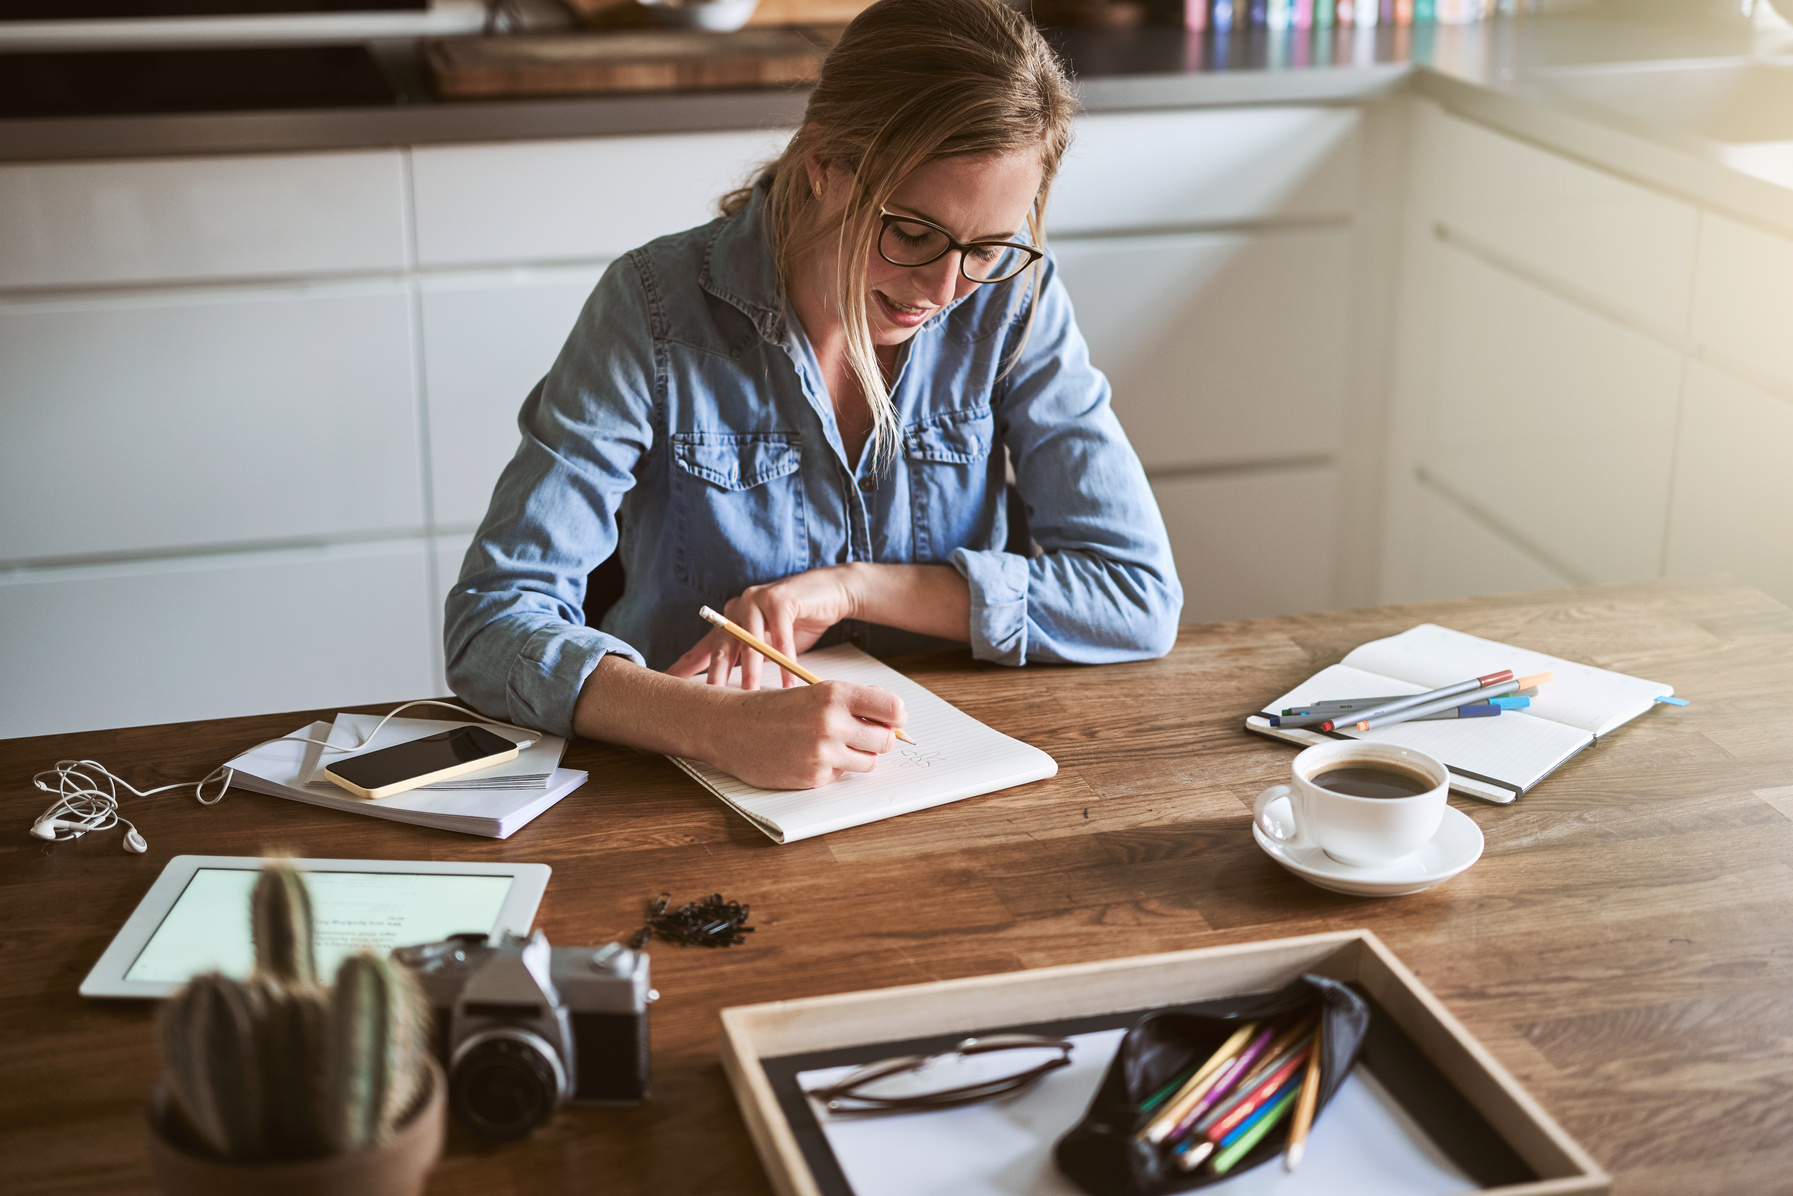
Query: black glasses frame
{"points": [[887, 218], [842, 1097]]}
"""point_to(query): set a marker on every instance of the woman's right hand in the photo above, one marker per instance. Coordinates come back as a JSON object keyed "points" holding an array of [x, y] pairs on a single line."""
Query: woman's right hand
{"points": [[774, 738], [803, 737]]}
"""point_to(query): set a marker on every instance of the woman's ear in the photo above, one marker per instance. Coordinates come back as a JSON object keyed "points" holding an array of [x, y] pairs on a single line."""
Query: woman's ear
{"points": [[818, 174]]}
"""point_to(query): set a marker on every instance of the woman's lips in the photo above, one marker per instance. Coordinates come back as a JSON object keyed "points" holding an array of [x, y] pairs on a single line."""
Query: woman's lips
{"points": [[902, 316]]}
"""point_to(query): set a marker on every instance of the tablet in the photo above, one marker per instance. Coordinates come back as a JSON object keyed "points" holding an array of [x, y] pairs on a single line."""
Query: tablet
{"points": [[195, 918]]}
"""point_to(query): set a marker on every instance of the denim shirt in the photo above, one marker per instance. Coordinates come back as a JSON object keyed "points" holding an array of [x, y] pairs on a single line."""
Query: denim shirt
{"points": [[685, 426]]}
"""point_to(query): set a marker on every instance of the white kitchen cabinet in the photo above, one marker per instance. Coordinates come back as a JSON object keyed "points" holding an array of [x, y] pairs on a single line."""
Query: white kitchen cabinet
{"points": [[487, 340], [1743, 298], [213, 637], [1157, 171], [1463, 555], [187, 219], [1731, 511], [594, 198], [1252, 544], [137, 423], [1222, 347], [1554, 422], [1621, 244]]}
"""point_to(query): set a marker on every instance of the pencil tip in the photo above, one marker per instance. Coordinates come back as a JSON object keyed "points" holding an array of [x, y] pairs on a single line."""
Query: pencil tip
{"points": [[1292, 1160]]}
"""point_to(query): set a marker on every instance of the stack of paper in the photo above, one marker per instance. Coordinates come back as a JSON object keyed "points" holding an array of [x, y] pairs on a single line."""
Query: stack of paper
{"points": [[954, 756], [282, 768]]}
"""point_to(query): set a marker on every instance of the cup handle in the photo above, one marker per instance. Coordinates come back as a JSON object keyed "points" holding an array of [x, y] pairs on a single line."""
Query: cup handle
{"points": [[1299, 838]]}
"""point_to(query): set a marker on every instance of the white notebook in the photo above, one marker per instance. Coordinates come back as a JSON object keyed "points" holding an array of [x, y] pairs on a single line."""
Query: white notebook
{"points": [[279, 769], [1495, 759], [954, 757]]}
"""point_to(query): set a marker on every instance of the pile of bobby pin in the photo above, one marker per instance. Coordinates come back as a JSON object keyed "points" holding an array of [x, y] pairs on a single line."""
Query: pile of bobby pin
{"points": [[711, 922], [1263, 1075]]}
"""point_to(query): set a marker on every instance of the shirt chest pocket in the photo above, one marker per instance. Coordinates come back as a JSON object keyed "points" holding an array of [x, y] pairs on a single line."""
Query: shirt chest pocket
{"points": [[740, 510], [952, 504]]}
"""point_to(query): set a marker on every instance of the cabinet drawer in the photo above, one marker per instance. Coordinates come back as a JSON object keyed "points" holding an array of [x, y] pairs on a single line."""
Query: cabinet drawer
{"points": [[1730, 512], [1222, 347], [1743, 297], [486, 342], [1164, 170], [81, 223], [1556, 423], [1459, 556], [131, 424], [544, 201], [216, 637], [1621, 243], [1229, 568]]}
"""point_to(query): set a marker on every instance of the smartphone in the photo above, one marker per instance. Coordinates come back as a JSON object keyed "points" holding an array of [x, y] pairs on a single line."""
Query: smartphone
{"points": [[421, 762]]}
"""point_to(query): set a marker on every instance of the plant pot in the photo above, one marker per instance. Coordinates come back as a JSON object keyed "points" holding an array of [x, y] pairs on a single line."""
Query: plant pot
{"points": [[397, 1167]]}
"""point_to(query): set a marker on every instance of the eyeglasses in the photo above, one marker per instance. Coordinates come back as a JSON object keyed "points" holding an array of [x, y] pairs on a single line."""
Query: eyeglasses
{"points": [[976, 1069], [912, 241]]}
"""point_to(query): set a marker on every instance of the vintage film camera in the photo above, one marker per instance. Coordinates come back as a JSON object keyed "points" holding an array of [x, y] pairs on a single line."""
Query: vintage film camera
{"points": [[523, 1028]]}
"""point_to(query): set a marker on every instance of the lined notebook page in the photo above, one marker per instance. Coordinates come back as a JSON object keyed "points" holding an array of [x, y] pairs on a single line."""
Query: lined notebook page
{"points": [[1513, 747], [954, 757], [1429, 656]]}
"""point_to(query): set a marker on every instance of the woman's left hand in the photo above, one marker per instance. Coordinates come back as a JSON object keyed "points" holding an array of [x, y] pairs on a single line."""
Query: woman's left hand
{"points": [[790, 614]]}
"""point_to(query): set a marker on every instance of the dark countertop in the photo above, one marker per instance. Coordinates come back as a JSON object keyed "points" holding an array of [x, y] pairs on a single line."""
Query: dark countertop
{"points": [[1487, 72]]}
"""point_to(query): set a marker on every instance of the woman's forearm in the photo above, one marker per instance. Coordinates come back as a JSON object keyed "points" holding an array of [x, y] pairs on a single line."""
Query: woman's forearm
{"points": [[621, 702], [927, 599]]}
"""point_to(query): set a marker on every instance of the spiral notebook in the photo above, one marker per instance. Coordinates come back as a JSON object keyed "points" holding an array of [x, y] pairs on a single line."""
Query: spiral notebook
{"points": [[1495, 759], [954, 757]]}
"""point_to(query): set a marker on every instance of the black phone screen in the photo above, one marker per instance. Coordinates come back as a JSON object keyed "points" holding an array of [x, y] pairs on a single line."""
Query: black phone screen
{"points": [[420, 757]]}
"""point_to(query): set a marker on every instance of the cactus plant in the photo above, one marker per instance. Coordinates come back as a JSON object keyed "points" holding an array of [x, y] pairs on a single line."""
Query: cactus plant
{"points": [[275, 1067], [378, 1035]]}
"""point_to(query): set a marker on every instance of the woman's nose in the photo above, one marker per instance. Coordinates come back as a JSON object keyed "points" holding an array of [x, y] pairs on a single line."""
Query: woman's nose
{"points": [[942, 279]]}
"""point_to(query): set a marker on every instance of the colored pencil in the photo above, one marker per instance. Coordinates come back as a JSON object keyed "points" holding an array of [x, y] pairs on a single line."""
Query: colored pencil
{"points": [[1472, 710], [1224, 1079], [1263, 1093], [773, 654], [1473, 685], [1266, 1120], [1274, 1060], [1198, 1084], [1304, 1109], [1163, 1094], [1369, 722]]}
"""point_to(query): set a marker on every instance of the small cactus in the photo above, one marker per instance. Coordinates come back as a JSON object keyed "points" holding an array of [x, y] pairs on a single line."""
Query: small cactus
{"points": [[212, 1061], [280, 925], [378, 1040], [278, 1067]]}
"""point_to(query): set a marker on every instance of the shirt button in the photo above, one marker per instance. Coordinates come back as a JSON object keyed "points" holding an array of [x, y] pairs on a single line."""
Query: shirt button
{"points": [[868, 484]]}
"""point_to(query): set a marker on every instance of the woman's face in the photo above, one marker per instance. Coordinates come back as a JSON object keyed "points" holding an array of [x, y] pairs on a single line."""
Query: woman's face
{"points": [[975, 199]]}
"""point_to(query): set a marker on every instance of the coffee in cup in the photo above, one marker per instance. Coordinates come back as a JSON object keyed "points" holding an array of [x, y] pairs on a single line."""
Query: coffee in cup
{"points": [[1365, 804]]}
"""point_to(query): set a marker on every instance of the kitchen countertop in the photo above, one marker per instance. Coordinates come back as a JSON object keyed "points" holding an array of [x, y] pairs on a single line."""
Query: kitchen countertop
{"points": [[1488, 72]]}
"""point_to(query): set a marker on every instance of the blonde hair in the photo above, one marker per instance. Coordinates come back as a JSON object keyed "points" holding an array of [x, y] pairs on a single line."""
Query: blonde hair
{"points": [[909, 82]]}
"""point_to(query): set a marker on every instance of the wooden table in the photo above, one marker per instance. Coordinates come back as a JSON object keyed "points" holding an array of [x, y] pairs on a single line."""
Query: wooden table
{"points": [[1624, 947]]}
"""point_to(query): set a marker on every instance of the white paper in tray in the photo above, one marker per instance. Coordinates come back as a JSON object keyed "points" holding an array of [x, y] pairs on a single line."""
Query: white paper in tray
{"points": [[1363, 1144]]}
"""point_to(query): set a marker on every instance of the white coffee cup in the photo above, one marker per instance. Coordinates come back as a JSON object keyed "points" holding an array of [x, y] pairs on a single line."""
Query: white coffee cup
{"points": [[1363, 832]]}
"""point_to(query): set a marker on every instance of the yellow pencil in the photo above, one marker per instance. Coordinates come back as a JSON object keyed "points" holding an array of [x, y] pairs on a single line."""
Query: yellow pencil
{"points": [[1304, 1107], [1197, 1085], [773, 654]]}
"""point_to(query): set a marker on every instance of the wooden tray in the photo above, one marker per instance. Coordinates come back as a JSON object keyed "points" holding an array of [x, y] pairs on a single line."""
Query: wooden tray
{"points": [[622, 60], [753, 1034]]}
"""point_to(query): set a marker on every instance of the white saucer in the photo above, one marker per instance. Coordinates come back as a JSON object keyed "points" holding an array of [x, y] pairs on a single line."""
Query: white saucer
{"points": [[1456, 846]]}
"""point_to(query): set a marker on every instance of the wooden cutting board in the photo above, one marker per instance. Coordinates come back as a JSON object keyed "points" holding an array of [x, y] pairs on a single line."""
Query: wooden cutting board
{"points": [[623, 60]]}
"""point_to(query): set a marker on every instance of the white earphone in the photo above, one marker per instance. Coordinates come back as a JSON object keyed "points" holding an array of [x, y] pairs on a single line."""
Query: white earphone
{"points": [[87, 792]]}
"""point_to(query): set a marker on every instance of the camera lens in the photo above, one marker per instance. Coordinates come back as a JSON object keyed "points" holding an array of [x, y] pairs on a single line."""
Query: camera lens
{"points": [[505, 1083]]}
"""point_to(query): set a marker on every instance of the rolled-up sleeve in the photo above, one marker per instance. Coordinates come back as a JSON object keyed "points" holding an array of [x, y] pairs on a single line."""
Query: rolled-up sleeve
{"points": [[1104, 587], [514, 634]]}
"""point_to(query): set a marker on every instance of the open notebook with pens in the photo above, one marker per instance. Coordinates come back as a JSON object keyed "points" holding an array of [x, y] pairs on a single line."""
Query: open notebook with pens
{"points": [[954, 757], [1495, 759]]}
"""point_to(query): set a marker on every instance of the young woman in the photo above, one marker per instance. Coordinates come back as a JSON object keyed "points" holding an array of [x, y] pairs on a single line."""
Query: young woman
{"points": [[804, 410]]}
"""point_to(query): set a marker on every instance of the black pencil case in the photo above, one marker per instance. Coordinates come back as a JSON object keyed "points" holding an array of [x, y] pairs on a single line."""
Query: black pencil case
{"points": [[1102, 1153]]}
